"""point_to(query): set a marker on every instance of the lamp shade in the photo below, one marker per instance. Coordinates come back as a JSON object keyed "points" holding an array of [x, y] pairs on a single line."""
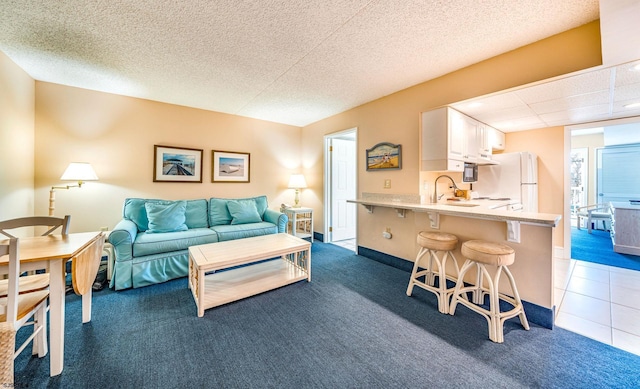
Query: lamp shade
{"points": [[297, 181], [79, 171]]}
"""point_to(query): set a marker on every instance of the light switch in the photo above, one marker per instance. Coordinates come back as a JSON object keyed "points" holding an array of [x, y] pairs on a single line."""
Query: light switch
{"points": [[387, 184]]}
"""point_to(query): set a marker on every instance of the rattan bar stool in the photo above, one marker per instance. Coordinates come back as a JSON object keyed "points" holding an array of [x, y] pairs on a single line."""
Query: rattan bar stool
{"points": [[480, 253], [431, 243]]}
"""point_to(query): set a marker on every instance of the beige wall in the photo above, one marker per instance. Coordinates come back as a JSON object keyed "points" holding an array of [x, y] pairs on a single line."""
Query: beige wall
{"points": [[116, 134], [17, 104], [548, 145], [591, 142], [395, 119]]}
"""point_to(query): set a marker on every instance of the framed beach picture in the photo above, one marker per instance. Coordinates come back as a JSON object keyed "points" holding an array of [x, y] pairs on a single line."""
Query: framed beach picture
{"points": [[176, 164], [384, 156], [229, 166]]}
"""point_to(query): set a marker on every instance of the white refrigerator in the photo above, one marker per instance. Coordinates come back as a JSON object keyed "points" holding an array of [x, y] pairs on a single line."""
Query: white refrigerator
{"points": [[515, 177]]}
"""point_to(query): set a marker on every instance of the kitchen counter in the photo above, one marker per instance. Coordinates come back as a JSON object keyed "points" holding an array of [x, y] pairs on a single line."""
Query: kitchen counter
{"points": [[530, 234], [476, 209]]}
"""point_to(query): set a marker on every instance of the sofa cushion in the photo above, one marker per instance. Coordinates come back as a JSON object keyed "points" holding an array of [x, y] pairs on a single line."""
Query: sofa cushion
{"points": [[195, 214], [243, 211], [166, 217], [239, 231], [149, 243], [219, 212]]}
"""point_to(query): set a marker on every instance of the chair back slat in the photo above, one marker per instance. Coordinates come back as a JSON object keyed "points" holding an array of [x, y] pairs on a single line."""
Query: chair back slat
{"points": [[36, 221], [11, 308]]}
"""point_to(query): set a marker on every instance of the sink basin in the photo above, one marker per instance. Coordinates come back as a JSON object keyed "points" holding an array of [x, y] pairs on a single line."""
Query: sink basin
{"points": [[462, 204]]}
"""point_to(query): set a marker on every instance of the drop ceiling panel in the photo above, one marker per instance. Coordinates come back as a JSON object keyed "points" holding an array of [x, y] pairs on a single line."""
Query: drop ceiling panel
{"points": [[571, 102], [566, 87], [519, 124]]}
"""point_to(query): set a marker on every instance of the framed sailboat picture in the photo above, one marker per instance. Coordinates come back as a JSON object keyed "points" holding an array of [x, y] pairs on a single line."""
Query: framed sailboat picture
{"points": [[384, 156], [229, 166]]}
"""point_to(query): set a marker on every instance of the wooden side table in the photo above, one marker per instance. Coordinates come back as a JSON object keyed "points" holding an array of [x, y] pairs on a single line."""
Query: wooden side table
{"points": [[300, 222]]}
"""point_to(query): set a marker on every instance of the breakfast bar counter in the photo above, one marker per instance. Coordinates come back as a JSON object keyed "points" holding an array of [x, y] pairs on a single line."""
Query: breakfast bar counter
{"points": [[530, 234]]}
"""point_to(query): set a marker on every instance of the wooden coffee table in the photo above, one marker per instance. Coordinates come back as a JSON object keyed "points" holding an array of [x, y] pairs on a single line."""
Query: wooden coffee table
{"points": [[211, 287]]}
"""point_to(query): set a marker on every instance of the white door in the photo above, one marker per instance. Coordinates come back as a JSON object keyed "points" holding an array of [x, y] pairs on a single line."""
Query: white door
{"points": [[343, 188], [618, 174]]}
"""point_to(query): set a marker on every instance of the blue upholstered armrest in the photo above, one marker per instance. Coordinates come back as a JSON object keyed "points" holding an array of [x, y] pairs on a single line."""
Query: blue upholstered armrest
{"points": [[277, 218], [122, 238]]}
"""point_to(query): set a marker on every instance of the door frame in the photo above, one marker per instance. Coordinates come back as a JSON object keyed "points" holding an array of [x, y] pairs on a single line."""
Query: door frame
{"points": [[327, 180], [567, 174]]}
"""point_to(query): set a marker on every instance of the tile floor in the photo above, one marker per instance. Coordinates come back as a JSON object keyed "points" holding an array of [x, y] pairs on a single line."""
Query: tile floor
{"points": [[600, 302], [349, 244]]}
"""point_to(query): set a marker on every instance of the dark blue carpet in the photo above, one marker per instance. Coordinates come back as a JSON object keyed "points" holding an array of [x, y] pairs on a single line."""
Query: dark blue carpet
{"points": [[352, 327], [598, 248]]}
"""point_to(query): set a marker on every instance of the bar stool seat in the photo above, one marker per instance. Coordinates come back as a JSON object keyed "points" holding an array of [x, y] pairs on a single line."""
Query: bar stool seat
{"points": [[431, 243], [483, 253]]}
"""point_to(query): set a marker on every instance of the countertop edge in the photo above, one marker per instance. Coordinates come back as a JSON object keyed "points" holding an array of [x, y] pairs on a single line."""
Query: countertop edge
{"points": [[547, 219]]}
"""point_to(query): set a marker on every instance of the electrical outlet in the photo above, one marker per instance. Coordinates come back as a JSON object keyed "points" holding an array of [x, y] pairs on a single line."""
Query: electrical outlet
{"points": [[104, 228], [387, 184]]}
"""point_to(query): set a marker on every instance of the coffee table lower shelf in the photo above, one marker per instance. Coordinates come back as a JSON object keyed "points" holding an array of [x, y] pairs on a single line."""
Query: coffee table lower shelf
{"points": [[231, 285]]}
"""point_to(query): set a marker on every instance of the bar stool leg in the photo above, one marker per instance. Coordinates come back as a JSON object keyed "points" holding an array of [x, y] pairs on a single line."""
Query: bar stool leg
{"points": [[414, 272], [516, 300]]}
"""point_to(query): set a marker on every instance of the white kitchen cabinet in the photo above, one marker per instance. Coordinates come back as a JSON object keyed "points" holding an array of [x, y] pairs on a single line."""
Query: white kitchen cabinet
{"points": [[448, 139], [497, 139], [484, 136]]}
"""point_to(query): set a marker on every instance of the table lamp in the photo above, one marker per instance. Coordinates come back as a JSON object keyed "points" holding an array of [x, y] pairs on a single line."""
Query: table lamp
{"points": [[297, 182], [76, 171]]}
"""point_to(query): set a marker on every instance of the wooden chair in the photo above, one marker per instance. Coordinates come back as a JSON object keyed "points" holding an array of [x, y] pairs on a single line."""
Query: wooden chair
{"points": [[7, 348], [33, 282], [593, 213], [17, 309]]}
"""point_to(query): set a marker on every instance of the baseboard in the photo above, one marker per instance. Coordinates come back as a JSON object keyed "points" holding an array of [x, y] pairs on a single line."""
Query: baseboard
{"points": [[536, 314], [558, 252]]}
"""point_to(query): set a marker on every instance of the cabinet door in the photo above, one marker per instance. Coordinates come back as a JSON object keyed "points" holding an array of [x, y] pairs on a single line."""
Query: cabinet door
{"points": [[470, 140], [457, 137], [496, 139], [484, 141]]}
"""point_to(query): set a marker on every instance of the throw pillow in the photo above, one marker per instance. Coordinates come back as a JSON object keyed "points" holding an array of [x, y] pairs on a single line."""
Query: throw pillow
{"points": [[166, 217], [243, 211]]}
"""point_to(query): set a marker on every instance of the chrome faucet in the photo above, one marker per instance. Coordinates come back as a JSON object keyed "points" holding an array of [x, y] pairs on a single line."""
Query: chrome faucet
{"points": [[435, 187]]}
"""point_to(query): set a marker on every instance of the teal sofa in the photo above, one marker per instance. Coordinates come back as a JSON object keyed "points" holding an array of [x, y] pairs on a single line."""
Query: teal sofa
{"points": [[151, 241]]}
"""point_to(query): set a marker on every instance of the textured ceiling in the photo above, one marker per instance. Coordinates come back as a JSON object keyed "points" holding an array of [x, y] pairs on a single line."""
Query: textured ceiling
{"points": [[292, 62]]}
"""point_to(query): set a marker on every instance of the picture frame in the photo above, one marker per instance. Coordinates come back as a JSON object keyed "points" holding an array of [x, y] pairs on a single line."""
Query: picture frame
{"points": [[230, 166], [177, 164], [384, 156]]}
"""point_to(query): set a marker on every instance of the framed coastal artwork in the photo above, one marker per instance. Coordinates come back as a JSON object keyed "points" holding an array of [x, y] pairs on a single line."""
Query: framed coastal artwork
{"points": [[230, 166], [384, 156], [176, 164]]}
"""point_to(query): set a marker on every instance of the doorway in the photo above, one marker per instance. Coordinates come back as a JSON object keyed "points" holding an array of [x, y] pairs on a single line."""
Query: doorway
{"points": [[340, 186], [579, 180]]}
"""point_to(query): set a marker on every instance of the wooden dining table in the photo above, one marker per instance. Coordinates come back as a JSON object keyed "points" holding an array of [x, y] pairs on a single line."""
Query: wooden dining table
{"points": [[52, 252]]}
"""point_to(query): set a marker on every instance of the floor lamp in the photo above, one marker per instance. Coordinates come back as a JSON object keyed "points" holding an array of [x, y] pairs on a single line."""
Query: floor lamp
{"points": [[76, 171]]}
